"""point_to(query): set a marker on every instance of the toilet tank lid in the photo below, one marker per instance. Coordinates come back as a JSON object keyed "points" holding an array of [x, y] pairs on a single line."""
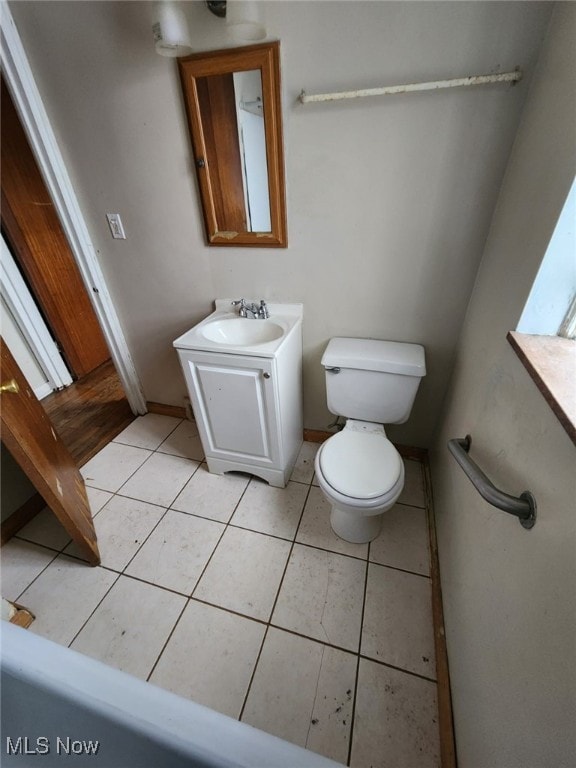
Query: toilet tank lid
{"points": [[374, 355]]}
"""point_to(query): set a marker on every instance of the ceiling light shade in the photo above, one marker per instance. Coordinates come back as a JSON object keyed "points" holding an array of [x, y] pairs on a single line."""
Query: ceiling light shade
{"points": [[170, 28], [244, 20]]}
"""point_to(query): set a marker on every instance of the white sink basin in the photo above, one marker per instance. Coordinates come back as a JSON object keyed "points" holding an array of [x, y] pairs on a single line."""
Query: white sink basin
{"points": [[242, 332], [226, 333]]}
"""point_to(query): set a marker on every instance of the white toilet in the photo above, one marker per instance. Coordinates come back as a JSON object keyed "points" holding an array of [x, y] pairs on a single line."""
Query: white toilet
{"points": [[359, 471]]}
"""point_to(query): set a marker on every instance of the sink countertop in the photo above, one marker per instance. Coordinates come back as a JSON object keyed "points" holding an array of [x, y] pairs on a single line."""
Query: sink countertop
{"points": [[288, 316]]}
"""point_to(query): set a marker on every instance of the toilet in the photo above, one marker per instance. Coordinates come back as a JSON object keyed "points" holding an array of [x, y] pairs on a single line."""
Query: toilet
{"points": [[360, 472]]}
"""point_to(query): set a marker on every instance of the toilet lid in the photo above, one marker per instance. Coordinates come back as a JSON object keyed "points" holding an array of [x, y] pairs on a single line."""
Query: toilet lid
{"points": [[363, 465]]}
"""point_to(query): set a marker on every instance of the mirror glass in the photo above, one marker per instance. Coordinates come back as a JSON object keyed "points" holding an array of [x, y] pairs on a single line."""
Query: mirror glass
{"points": [[233, 103]]}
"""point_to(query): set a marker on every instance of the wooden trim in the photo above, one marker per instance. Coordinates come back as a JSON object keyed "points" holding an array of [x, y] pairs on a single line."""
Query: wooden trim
{"points": [[550, 361], [23, 617], [411, 452], [316, 435], [266, 58], [21, 517], [445, 718], [177, 411]]}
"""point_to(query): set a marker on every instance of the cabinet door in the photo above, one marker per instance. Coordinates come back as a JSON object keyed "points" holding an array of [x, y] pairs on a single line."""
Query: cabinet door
{"points": [[235, 405]]}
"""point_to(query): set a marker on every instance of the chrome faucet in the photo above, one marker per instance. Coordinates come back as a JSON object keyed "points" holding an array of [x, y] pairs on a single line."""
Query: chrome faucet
{"points": [[252, 310]]}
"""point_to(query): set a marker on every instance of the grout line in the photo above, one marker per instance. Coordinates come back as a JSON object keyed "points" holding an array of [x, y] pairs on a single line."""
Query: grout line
{"points": [[120, 442], [151, 453], [48, 564], [104, 596], [401, 570], [186, 603], [263, 622], [273, 606], [146, 537], [249, 687], [180, 456], [353, 713], [46, 546], [219, 539], [412, 506], [398, 669]]}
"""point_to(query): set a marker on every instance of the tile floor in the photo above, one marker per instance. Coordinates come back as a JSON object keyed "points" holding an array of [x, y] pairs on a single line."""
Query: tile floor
{"points": [[239, 596]]}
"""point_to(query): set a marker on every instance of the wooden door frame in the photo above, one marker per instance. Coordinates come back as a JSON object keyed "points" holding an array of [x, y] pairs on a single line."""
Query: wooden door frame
{"points": [[19, 78]]}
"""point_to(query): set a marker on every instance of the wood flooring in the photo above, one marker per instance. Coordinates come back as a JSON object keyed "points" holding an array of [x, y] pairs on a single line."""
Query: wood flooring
{"points": [[90, 412]]}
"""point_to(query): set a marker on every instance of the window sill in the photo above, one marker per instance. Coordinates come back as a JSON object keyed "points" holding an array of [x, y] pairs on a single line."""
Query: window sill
{"points": [[551, 362]]}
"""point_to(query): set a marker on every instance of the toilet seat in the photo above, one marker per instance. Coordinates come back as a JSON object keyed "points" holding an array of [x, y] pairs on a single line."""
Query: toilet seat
{"points": [[364, 466]]}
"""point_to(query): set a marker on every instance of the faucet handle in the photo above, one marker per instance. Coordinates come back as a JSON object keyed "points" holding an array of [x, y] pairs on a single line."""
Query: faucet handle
{"points": [[242, 311], [263, 311]]}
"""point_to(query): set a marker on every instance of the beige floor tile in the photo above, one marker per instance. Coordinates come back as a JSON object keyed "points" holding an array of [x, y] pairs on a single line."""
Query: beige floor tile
{"points": [[210, 658], [121, 527], [398, 620], [211, 496], [21, 562], [63, 597], [315, 528], [302, 692], [184, 441], [413, 491], [45, 529], [244, 573], [321, 597], [304, 468], [130, 627], [177, 551], [395, 723], [148, 431], [160, 479], [403, 541], [275, 511], [113, 465], [97, 499]]}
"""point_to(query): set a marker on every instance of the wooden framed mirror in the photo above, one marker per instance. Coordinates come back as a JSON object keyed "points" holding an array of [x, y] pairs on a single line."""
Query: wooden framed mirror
{"points": [[234, 114]]}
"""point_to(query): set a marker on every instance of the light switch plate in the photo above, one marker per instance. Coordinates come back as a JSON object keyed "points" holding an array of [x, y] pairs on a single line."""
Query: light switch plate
{"points": [[115, 224]]}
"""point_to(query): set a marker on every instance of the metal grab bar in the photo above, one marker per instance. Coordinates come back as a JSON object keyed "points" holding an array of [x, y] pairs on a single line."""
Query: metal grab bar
{"points": [[523, 507]]}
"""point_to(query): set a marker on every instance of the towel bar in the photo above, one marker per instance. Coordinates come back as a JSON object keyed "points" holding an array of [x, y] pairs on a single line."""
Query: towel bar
{"points": [[523, 507]]}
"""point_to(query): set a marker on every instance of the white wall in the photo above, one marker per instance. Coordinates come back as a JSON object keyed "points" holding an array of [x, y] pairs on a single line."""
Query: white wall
{"points": [[389, 201], [508, 593]]}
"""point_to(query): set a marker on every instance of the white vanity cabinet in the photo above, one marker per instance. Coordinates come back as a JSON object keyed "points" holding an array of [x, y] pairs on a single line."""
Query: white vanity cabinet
{"points": [[248, 406]]}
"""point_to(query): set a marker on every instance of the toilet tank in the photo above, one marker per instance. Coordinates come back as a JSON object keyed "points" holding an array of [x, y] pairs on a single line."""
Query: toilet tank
{"points": [[372, 380]]}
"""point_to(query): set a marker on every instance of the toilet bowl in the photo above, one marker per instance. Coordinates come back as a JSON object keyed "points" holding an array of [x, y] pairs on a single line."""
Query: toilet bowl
{"points": [[361, 475]]}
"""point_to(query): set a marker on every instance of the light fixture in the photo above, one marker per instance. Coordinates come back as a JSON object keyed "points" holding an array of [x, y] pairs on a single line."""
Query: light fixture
{"points": [[243, 18], [170, 28]]}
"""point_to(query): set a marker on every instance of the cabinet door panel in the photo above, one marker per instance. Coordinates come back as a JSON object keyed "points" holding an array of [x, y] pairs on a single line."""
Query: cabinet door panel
{"points": [[235, 409], [235, 406]]}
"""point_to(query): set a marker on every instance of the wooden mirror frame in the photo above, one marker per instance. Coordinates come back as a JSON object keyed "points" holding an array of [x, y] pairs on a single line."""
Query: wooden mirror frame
{"points": [[266, 59]]}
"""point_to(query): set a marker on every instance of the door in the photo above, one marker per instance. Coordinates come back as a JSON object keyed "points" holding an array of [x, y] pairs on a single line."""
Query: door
{"points": [[39, 245], [29, 436]]}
